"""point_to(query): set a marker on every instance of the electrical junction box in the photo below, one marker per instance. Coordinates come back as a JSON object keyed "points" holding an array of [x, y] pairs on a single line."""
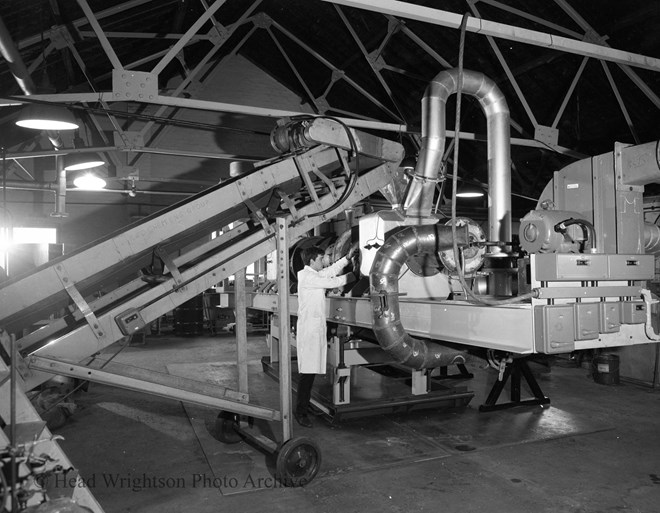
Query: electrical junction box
{"points": [[570, 267], [631, 267], [587, 322], [633, 312], [610, 317], [554, 328], [130, 322]]}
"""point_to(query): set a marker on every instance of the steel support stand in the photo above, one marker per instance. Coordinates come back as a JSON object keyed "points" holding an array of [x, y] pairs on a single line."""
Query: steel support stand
{"points": [[514, 371], [463, 373]]}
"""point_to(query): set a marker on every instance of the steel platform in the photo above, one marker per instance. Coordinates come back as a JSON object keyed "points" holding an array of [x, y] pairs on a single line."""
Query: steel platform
{"points": [[376, 390]]}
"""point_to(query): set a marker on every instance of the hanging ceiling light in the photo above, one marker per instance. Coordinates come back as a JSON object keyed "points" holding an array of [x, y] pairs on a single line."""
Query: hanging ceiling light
{"points": [[89, 181], [81, 160], [466, 190], [42, 116]]}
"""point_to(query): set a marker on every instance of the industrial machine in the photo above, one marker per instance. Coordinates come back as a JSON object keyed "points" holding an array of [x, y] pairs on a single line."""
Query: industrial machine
{"points": [[579, 278], [433, 292]]}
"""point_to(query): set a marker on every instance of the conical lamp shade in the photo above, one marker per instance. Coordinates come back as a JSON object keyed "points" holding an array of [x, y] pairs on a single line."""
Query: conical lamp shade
{"points": [[46, 117], [469, 191], [84, 160], [89, 180]]}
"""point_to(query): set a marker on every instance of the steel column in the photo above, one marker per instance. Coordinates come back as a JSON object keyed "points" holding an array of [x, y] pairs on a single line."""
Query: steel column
{"points": [[282, 245], [241, 330]]}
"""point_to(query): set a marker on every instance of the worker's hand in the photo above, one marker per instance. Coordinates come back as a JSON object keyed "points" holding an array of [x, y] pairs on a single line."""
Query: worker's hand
{"points": [[350, 277], [351, 252]]}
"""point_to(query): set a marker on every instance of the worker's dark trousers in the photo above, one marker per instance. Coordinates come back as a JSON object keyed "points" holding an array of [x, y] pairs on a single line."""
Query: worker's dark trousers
{"points": [[305, 383]]}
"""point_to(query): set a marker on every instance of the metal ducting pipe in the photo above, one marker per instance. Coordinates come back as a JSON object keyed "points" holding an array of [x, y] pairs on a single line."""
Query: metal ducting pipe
{"points": [[25, 82], [651, 239], [420, 195], [60, 197], [14, 60], [384, 281], [21, 74]]}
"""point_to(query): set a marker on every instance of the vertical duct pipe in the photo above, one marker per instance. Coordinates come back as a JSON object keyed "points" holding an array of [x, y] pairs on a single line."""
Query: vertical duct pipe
{"points": [[419, 200], [21, 74], [14, 61], [430, 239], [25, 82], [60, 195]]}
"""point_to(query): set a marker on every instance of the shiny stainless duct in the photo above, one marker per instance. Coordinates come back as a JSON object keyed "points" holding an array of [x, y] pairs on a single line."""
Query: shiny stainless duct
{"points": [[651, 239], [14, 60], [420, 195], [21, 74], [384, 281]]}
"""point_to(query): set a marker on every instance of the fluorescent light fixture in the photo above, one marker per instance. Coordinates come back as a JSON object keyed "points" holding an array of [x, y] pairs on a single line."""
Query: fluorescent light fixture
{"points": [[89, 181], [40, 116]]}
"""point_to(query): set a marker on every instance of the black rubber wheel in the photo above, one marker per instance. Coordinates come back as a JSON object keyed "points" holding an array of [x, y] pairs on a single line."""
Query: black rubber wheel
{"points": [[225, 427], [298, 462]]}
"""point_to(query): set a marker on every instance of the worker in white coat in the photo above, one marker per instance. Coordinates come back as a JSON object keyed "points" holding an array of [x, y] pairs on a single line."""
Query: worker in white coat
{"points": [[311, 331]]}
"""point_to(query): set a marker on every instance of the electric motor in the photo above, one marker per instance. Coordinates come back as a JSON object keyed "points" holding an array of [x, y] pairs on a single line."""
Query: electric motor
{"points": [[291, 136], [538, 233]]}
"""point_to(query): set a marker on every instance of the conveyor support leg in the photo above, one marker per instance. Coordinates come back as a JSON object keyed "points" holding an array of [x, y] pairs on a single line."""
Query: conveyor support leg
{"points": [[514, 370]]}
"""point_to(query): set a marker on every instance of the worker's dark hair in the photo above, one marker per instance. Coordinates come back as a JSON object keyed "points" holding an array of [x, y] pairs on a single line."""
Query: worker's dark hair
{"points": [[310, 253]]}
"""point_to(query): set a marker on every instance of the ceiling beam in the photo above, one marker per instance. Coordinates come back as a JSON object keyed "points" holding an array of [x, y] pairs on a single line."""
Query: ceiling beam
{"points": [[185, 39], [501, 30], [142, 35], [81, 22], [535, 19], [569, 93], [624, 67], [105, 44], [620, 101], [507, 69]]}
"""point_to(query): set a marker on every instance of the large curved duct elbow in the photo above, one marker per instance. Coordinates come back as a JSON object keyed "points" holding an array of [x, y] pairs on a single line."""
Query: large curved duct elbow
{"points": [[384, 281], [434, 105]]}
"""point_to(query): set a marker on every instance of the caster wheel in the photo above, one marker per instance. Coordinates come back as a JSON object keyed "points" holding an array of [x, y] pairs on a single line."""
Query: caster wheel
{"points": [[298, 462], [225, 428]]}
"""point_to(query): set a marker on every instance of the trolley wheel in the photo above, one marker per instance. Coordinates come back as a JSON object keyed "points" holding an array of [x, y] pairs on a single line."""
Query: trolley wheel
{"points": [[226, 425], [298, 461]]}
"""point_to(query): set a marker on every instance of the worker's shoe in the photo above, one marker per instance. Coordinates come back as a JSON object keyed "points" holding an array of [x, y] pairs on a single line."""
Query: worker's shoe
{"points": [[303, 420]]}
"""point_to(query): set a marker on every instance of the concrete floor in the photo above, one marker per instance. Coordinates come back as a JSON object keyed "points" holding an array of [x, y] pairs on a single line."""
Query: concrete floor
{"points": [[594, 449]]}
